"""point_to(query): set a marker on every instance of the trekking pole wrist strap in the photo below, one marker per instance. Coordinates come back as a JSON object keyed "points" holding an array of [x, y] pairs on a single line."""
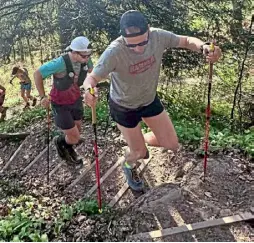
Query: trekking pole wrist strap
{"points": [[87, 89]]}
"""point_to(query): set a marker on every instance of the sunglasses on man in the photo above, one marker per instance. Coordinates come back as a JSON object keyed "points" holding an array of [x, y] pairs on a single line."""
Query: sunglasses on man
{"points": [[143, 43], [84, 55]]}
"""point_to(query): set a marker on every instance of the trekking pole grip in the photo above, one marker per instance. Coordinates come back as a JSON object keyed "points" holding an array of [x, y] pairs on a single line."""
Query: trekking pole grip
{"points": [[212, 46], [93, 108], [211, 64]]}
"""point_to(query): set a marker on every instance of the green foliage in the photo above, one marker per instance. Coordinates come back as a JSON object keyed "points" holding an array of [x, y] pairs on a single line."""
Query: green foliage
{"points": [[67, 212], [102, 111], [89, 207], [198, 23], [192, 133], [23, 120], [24, 221], [228, 140], [31, 219], [9, 188], [189, 122]]}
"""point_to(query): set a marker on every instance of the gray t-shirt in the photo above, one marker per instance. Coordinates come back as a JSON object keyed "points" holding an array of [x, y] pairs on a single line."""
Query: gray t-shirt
{"points": [[134, 77]]}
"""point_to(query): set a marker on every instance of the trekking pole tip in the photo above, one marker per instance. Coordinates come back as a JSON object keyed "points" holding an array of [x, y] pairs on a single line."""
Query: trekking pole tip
{"points": [[100, 210]]}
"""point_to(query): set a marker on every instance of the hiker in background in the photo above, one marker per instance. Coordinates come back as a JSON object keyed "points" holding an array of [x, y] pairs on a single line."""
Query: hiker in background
{"points": [[2, 108], [69, 72], [134, 61], [25, 85]]}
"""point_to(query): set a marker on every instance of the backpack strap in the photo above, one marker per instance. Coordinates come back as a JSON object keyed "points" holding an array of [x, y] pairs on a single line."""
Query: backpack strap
{"points": [[68, 64], [82, 74], [69, 67]]}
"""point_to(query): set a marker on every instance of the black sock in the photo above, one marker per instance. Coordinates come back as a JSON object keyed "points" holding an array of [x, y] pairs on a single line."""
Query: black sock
{"points": [[62, 141]]}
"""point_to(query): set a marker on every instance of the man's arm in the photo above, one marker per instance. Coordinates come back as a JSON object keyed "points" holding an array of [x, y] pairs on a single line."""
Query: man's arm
{"points": [[171, 40], [46, 70], [105, 65], [91, 80], [197, 45], [39, 83], [191, 43]]}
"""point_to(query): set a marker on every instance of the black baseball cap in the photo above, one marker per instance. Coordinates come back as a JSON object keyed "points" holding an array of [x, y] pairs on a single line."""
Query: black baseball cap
{"points": [[133, 18]]}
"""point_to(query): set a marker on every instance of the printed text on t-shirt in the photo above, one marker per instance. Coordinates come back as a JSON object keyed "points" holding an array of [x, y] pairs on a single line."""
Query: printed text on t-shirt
{"points": [[142, 66]]}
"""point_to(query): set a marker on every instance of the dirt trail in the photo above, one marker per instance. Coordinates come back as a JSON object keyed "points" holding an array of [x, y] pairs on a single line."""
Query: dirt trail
{"points": [[175, 194]]}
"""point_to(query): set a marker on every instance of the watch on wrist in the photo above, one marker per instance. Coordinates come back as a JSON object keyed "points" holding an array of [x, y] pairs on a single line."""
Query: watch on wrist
{"points": [[202, 46]]}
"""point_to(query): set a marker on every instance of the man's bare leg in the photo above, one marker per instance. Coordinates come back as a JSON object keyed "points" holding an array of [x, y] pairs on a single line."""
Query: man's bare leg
{"points": [[163, 133], [136, 143]]}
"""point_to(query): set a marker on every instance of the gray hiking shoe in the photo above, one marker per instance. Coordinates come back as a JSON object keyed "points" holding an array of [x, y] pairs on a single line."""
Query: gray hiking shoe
{"points": [[132, 178]]}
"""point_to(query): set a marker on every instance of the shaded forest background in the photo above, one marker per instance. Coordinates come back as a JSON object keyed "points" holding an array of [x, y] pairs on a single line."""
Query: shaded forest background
{"points": [[41, 29]]}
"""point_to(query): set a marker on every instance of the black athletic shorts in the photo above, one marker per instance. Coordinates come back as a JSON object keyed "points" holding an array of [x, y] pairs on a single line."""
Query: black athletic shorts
{"points": [[65, 115], [131, 117]]}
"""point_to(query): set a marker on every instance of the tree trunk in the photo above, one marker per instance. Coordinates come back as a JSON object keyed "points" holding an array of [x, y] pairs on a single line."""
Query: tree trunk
{"points": [[30, 51], [14, 53], [22, 56], [41, 57], [236, 24], [241, 71]]}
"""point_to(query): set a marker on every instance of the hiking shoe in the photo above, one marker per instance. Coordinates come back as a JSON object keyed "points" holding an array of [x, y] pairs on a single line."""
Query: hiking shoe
{"points": [[63, 152], [132, 178], [74, 155], [59, 148], [34, 101], [27, 105], [4, 109]]}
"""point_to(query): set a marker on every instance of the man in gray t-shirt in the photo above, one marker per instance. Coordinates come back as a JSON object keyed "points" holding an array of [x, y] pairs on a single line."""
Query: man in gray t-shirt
{"points": [[134, 61]]}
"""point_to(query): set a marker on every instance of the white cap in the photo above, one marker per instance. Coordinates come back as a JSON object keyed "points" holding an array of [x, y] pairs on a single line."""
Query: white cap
{"points": [[80, 43]]}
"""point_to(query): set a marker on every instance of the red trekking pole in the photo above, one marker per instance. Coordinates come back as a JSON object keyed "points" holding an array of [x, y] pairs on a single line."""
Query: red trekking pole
{"points": [[208, 112], [96, 155]]}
